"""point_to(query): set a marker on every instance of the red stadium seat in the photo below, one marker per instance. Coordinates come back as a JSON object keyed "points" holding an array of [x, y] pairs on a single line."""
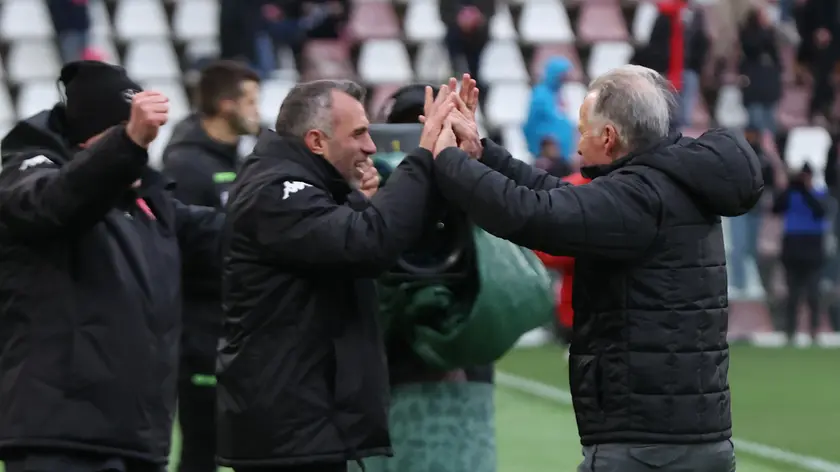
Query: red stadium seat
{"points": [[601, 20], [374, 20], [327, 59]]}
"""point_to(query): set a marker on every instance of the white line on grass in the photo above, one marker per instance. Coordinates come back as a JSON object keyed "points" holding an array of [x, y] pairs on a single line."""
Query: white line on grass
{"points": [[548, 392]]}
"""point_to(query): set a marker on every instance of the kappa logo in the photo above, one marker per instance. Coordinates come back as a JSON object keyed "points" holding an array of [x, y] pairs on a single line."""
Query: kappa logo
{"points": [[293, 187], [128, 94], [223, 197], [34, 161]]}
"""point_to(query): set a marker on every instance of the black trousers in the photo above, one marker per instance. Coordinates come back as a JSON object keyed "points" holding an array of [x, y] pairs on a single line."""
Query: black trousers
{"points": [[197, 417], [338, 467], [803, 281], [76, 462]]}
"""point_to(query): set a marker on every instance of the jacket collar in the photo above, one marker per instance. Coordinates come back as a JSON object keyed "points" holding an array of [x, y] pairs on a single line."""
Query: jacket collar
{"points": [[274, 145], [591, 172]]}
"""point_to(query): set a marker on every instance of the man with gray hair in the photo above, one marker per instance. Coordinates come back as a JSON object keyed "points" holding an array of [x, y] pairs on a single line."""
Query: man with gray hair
{"points": [[649, 356], [302, 377]]}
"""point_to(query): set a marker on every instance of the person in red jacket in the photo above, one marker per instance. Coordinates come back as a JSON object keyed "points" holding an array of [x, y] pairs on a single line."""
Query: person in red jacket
{"points": [[566, 266]]}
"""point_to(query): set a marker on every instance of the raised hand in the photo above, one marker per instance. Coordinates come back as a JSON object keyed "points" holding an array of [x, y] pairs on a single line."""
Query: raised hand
{"points": [[446, 139], [369, 181], [149, 111], [469, 94], [435, 113]]}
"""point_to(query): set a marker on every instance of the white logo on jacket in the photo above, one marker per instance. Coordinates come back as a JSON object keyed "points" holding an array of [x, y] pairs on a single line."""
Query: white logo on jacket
{"points": [[34, 161], [293, 187]]}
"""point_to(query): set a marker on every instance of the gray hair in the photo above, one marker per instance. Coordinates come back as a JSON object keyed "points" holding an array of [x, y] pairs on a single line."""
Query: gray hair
{"points": [[636, 100], [308, 106]]}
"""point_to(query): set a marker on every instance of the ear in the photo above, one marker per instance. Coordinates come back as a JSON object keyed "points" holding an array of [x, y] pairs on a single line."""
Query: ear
{"points": [[316, 141], [610, 137], [227, 106]]}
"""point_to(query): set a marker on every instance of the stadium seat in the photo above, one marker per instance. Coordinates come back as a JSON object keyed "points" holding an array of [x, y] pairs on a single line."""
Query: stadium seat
{"points": [[601, 21], [100, 22], [507, 104], [501, 25], [432, 62], [179, 103], [35, 97], [140, 19], [7, 107], [573, 94], [608, 55], [643, 20], [545, 52], [272, 94], [326, 59], [808, 145], [195, 19], [514, 141], [152, 59], [502, 61], [422, 21], [384, 61], [374, 20], [33, 60], [198, 49], [105, 45], [545, 22], [159, 144], [25, 19], [730, 112]]}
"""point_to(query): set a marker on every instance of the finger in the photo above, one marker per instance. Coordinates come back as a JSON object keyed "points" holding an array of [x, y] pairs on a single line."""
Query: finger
{"points": [[473, 102], [442, 95], [466, 89], [453, 84], [427, 104], [461, 105], [421, 119]]}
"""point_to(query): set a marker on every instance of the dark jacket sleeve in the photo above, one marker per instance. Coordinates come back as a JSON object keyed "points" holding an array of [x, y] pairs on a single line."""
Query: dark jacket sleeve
{"points": [[199, 231], [499, 159], [38, 198], [193, 183], [309, 231], [612, 217]]}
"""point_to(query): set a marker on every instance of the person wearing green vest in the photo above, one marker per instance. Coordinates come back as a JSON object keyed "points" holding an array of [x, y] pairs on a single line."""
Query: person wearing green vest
{"points": [[442, 328]]}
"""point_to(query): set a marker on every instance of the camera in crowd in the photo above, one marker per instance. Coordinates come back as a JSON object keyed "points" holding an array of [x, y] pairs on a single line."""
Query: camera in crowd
{"points": [[444, 251]]}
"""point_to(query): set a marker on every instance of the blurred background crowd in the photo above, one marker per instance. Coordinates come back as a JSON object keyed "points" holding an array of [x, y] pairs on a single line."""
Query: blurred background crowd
{"points": [[766, 67]]}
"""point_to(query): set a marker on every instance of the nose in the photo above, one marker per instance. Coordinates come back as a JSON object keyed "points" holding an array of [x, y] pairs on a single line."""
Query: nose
{"points": [[368, 146]]}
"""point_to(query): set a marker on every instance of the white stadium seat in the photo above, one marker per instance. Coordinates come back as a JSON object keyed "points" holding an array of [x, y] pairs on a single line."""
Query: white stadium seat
{"points": [[432, 62], [195, 19], [502, 61], [606, 56], [152, 59], [384, 61], [422, 21], [179, 104], [516, 144], [501, 25], [140, 19], [573, 94], [25, 19], [7, 107], [100, 23], [159, 144], [272, 94], [808, 144], [35, 97], [33, 60], [645, 17], [106, 46], [730, 111], [545, 22], [507, 104]]}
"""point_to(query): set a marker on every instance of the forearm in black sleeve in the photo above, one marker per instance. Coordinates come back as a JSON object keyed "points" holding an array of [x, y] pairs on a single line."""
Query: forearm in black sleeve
{"points": [[308, 231], [37, 198], [499, 159], [199, 231], [193, 185], [613, 217]]}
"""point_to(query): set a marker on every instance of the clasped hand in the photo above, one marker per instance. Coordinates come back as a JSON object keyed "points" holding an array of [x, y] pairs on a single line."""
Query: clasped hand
{"points": [[449, 119]]}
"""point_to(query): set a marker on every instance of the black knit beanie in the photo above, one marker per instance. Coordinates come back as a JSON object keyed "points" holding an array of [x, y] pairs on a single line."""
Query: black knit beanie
{"points": [[98, 97]]}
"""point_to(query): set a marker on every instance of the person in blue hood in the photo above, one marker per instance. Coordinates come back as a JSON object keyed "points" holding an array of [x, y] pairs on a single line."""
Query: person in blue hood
{"points": [[545, 117]]}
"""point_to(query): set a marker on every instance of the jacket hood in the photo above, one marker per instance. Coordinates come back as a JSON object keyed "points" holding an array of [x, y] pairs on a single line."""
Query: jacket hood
{"points": [[720, 169], [555, 71], [189, 132], [42, 131]]}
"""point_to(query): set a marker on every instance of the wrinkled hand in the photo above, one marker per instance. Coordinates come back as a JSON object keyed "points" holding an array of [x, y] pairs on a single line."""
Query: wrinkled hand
{"points": [[435, 113], [369, 180], [446, 139], [463, 118], [149, 111]]}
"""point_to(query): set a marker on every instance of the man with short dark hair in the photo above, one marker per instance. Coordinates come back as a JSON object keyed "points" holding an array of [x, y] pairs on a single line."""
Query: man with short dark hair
{"points": [[303, 382], [91, 245], [202, 158]]}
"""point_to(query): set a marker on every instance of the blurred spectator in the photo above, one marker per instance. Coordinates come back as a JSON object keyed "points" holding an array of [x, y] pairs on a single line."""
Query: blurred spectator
{"points": [[546, 115], [746, 228], [803, 252], [677, 49], [551, 160], [819, 26], [71, 20], [761, 70], [467, 32], [240, 26]]}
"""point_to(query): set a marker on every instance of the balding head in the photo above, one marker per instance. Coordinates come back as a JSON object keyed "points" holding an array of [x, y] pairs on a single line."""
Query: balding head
{"points": [[630, 107]]}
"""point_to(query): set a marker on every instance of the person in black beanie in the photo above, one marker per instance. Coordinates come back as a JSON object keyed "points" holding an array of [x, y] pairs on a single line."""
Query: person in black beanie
{"points": [[91, 250]]}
